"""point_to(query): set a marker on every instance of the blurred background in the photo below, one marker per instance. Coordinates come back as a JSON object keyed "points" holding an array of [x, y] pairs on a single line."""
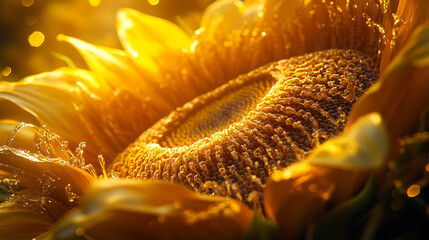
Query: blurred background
{"points": [[28, 29]]}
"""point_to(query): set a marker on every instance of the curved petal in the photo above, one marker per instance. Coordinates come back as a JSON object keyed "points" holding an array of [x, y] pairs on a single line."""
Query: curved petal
{"points": [[127, 209], [41, 190], [299, 194], [286, 8], [363, 146], [56, 92], [286, 29], [402, 93], [73, 104], [112, 66], [114, 69], [43, 175], [13, 220], [22, 139], [61, 97], [148, 39], [410, 14], [224, 16]]}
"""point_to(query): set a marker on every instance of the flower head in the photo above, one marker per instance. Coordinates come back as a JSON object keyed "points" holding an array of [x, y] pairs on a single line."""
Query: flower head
{"points": [[246, 108]]}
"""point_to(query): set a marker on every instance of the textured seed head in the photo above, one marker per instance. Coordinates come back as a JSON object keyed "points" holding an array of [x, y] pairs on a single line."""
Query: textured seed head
{"points": [[228, 141]]}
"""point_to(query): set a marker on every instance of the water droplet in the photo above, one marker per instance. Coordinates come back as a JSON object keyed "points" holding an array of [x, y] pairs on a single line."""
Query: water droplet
{"points": [[71, 196], [103, 165]]}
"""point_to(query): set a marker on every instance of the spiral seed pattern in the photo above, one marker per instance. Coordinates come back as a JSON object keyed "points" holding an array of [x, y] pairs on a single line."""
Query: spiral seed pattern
{"points": [[228, 141]]}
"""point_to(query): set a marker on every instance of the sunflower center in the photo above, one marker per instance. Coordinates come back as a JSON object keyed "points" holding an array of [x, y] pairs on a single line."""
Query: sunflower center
{"points": [[216, 110], [229, 141]]}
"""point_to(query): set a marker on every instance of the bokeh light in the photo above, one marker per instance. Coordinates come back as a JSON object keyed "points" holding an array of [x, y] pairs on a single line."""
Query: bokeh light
{"points": [[27, 3], [6, 71], [30, 28], [36, 39], [153, 2], [94, 3], [413, 190]]}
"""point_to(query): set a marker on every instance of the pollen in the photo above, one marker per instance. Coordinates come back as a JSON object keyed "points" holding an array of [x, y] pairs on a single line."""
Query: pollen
{"points": [[230, 140]]}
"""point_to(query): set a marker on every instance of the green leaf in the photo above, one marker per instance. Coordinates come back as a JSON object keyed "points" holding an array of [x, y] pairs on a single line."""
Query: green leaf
{"points": [[262, 229]]}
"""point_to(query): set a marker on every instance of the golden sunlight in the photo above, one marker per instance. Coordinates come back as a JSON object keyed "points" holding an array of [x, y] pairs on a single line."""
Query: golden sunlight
{"points": [[36, 39], [214, 119]]}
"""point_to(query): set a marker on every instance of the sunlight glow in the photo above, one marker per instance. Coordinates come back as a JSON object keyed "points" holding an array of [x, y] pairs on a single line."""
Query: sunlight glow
{"points": [[153, 2], [6, 71], [27, 3], [413, 190], [94, 3], [36, 39]]}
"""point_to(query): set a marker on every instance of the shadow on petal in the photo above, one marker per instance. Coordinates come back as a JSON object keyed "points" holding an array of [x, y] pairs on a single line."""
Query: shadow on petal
{"points": [[334, 172], [44, 176], [17, 224], [401, 94], [127, 209], [36, 191]]}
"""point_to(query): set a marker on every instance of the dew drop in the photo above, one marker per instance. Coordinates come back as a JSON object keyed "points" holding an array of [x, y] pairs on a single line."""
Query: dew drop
{"points": [[71, 196], [103, 165]]}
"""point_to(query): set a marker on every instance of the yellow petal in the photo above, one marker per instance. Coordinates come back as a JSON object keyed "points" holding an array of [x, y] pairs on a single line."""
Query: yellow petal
{"points": [[114, 69], [286, 9], [23, 139], [410, 14], [13, 221], [43, 175], [224, 16], [127, 209], [42, 189], [299, 194], [72, 104], [147, 39], [11, 110], [364, 146], [111, 66], [51, 98], [401, 94]]}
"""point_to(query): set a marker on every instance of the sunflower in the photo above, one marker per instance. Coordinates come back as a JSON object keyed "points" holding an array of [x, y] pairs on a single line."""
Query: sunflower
{"points": [[311, 113]]}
